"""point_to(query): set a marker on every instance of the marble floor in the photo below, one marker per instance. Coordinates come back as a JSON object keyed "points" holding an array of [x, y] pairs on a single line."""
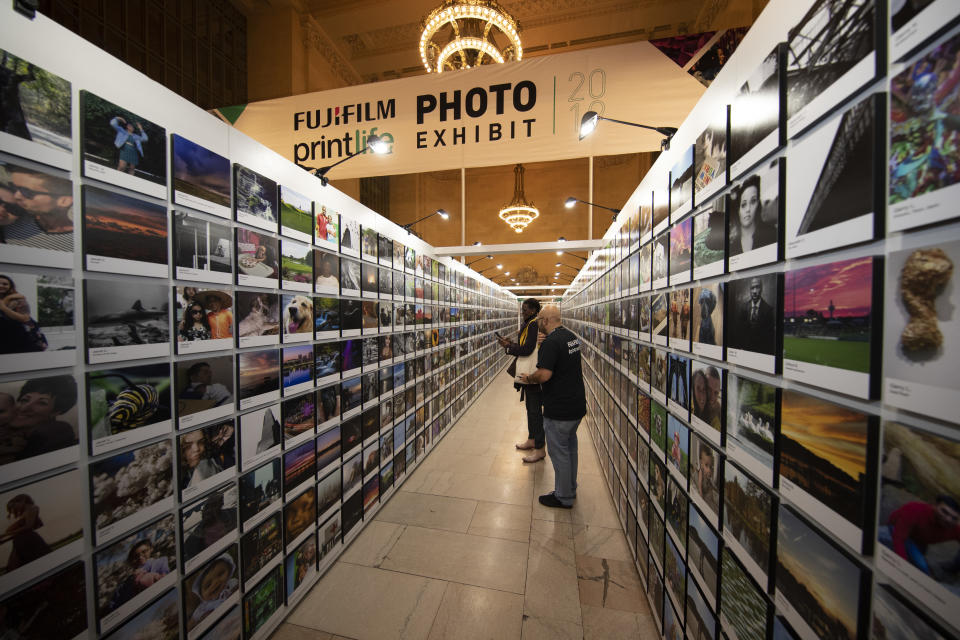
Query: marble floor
{"points": [[464, 550]]}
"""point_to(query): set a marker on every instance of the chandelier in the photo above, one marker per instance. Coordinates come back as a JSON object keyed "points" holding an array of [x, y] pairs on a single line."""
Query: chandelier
{"points": [[460, 34], [519, 213]]}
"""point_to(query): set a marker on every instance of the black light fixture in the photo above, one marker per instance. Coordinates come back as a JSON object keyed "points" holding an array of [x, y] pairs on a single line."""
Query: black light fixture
{"points": [[490, 267], [571, 201], [375, 143], [575, 256], [439, 212], [590, 120], [486, 257], [563, 264]]}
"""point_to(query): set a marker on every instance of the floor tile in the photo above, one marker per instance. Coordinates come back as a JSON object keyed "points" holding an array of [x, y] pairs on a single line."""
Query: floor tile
{"points": [[452, 459], [496, 520], [547, 629], [609, 584], [458, 557], [601, 542], [474, 613], [613, 624], [362, 602], [287, 631], [373, 544], [550, 591], [430, 511]]}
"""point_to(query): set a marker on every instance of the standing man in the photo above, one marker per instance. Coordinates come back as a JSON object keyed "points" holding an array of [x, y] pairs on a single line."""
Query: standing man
{"points": [[756, 320], [564, 403]]}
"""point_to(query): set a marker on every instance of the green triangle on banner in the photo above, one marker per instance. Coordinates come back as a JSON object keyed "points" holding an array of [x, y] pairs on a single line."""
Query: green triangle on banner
{"points": [[232, 113]]}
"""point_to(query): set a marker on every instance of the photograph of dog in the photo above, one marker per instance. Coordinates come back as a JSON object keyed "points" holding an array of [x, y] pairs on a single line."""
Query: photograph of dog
{"points": [[297, 314]]}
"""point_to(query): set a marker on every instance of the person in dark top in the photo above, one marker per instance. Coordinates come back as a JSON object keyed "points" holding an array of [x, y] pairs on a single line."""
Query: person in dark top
{"points": [[748, 230], [560, 374], [529, 393]]}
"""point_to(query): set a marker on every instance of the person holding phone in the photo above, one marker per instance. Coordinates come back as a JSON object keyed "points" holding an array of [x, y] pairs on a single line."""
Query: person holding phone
{"points": [[529, 393]]}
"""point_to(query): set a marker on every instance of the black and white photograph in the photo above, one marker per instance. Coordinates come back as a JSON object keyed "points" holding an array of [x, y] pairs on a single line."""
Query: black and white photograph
{"points": [[835, 181], [326, 230], [43, 527], [258, 318], [255, 199], [710, 239], [260, 492], [38, 312], [41, 424], [36, 216], [37, 108], [123, 235], [924, 181], [756, 115], [681, 185], [130, 488], [202, 250], [921, 329], [260, 436], [258, 377], [831, 54], [753, 321], [128, 405], [122, 147], [206, 457], [204, 319], [208, 525], [349, 236], [258, 259], [126, 319], [61, 598], [201, 177], [203, 390], [296, 266], [211, 591], [748, 510], [710, 158], [350, 277], [385, 250], [754, 224], [134, 569]]}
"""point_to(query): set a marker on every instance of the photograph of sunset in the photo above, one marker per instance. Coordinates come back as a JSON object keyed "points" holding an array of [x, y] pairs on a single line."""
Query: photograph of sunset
{"points": [[118, 226]]}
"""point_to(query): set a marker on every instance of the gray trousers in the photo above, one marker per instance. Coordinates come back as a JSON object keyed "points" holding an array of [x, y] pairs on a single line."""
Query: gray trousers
{"points": [[562, 449]]}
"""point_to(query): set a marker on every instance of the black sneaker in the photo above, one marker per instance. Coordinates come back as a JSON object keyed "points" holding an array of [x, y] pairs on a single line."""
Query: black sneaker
{"points": [[551, 500]]}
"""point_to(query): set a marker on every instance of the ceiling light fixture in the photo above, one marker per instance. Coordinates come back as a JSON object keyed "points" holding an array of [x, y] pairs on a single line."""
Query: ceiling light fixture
{"points": [[519, 213], [461, 34]]}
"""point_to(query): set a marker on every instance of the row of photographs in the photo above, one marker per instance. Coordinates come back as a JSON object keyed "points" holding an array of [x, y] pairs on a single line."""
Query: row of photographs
{"points": [[708, 531], [255, 541]]}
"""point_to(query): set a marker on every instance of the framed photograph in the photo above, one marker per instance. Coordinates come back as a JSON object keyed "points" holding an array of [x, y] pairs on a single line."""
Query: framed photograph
{"points": [[658, 376], [255, 199], [147, 490], [43, 527], [661, 210], [122, 148], [754, 227], [260, 436], [744, 609], [385, 283], [329, 491], [296, 215], [201, 177], [920, 193], [207, 457], [916, 502], [707, 400], [894, 617], [710, 158], [326, 317], [331, 535], [701, 622], [296, 266], [659, 313], [208, 525], [204, 319], [678, 445], [351, 357], [211, 591], [326, 230], [133, 570], [753, 409], [37, 226], [39, 103], [352, 472], [675, 511], [258, 318], [40, 320], [655, 596], [675, 578], [679, 324], [368, 280], [399, 255], [369, 243], [748, 510], [829, 207], [828, 335], [257, 259], [371, 493], [258, 547], [299, 465], [203, 390], [678, 385], [921, 334], [681, 251], [61, 598], [349, 237], [661, 257], [259, 492], [301, 565], [300, 515], [703, 555], [298, 419], [263, 601], [681, 185], [410, 261], [757, 114], [327, 364], [707, 318], [326, 272], [815, 86], [127, 405], [350, 278], [385, 250], [709, 244], [258, 377], [161, 618], [645, 258], [202, 250], [122, 234], [42, 424], [818, 585], [753, 321], [126, 320]]}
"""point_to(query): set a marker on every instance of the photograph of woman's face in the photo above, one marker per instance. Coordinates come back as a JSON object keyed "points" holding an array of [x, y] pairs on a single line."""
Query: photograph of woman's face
{"points": [[749, 206]]}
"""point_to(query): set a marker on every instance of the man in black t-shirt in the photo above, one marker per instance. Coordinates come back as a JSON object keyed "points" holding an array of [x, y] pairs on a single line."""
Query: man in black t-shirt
{"points": [[564, 403]]}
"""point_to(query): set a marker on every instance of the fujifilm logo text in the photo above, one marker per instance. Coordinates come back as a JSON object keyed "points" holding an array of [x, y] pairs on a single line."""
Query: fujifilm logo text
{"points": [[347, 114]]}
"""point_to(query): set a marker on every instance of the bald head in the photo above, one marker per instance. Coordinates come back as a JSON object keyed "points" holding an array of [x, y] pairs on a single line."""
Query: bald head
{"points": [[549, 318]]}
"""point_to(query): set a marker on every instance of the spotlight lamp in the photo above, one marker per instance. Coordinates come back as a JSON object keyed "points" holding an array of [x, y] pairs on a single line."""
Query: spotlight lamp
{"points": [[486, 257], [439, 212], [570, 202], [590, 120], [375, 144]]}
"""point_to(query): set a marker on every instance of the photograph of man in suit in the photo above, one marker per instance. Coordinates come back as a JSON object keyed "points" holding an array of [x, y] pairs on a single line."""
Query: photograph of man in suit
{"points": [[754, 329]]}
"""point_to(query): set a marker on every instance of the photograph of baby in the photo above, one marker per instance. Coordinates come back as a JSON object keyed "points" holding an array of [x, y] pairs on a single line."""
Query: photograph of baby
{"points": [[203, 389], [36, 111], [36, 215], [201, 178], [202, 250], [326, 230], [55, 606], [38, 424], [206, 457], [127, 405], [296, 266], [211, 590], [43, 527], [257, 259], [122, 147], [260, 436], [258, 318], [259, 489], [255, 199], [134, 569]]}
